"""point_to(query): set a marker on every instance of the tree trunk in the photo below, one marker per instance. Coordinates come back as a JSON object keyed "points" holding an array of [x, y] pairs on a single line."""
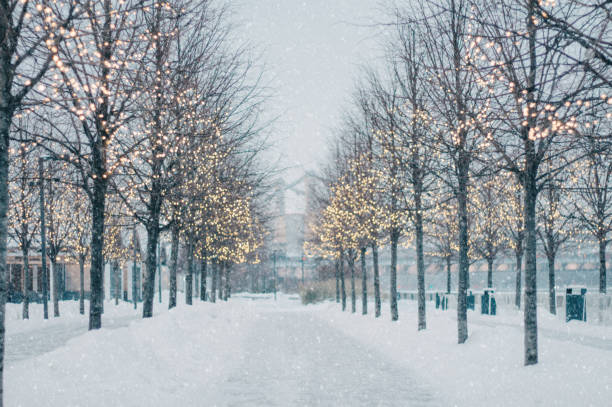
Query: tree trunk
{"points": [[27, 281], [489, 273], [463, 280], [174, 247], [6, 113], [376, 281], [134, 281], [195, 280], [213, 288], [342, 284], [337, 281], [602, 264], [552, 303], [55, 291], [96, 271], [228, 283], [203, 276], [364, 283], [81, 285], [519, 268], [351, 261], [530, 174], [393, 276], [189, 275], [116, 280], [151, 264], [448, 274], [531, 303], [220, 280], [422, 324]]}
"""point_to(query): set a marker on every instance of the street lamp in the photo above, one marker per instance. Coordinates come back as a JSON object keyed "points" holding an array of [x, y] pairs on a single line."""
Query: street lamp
{"points": [[43, 244], [43, 240], [274, 259]]}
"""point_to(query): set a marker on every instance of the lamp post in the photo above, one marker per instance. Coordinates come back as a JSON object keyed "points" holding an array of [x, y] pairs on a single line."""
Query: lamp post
{"points": [[43, 242], [302, 260], [274, 260], [43, 237]]}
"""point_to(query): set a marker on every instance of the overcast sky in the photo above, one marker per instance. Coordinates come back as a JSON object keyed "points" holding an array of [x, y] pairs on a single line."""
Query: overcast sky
{"points": [[313, 50]]}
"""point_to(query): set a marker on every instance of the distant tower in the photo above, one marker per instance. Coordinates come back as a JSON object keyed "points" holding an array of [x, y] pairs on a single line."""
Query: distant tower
{"points": [[280, 199]]}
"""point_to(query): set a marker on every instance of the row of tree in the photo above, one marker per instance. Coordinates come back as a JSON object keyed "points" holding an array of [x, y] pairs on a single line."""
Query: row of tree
{"points": [[487, 126], [118, 115]]}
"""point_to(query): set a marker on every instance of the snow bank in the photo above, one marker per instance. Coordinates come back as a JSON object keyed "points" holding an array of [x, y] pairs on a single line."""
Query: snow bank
{"points": [[488, 370], [69, 315], [159, 361]]}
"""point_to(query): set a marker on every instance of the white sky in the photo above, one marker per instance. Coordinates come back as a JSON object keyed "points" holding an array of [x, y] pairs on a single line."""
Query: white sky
{"points": [[313, 50]]}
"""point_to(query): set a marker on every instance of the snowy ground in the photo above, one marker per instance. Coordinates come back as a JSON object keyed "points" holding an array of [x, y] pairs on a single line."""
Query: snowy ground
{"points": [[252, 351]]}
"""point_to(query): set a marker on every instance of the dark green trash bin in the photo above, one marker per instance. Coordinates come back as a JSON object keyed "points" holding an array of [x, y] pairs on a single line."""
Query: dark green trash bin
{"points": [[444, 302], [488, 305], [471, 302], [575, 303]]}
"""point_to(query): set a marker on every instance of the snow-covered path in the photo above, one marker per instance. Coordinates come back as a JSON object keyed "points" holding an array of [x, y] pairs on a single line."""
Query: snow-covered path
{"points": [[254, 351], [297, 359]]}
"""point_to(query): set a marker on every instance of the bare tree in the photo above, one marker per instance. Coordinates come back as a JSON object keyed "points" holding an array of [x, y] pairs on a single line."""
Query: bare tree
{"points": [[536, 94], [23, 213], [27, 48], [554, 230], [489, 214], [591, 193], [97, 90], [453, 98]]}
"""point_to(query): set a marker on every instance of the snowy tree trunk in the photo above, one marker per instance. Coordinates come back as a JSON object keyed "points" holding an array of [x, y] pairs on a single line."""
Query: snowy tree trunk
{"points": [[364, 283], [448, 274], [602, 264], [422, 324], [531, 303], [27, 281], [151, 257], [337, 281], [552, 303], [463, 280], [220, 280], [96, 271], [213, 288], [519, 278], [116, 280], [196, 280], [82, 284], [134, 283], [351, 261], [189, 275], [393, 276], [530, 175], [55, 290], [6, 113], [342, 284], [203, 276], [376, 280], [228, 283], [174, 247], [489, 273]]}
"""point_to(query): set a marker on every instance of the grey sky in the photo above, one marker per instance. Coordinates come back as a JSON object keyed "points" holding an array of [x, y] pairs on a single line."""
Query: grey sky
{"points": [[313, 50]]}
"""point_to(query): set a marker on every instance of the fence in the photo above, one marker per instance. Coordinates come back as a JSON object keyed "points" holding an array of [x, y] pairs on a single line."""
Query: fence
{"points": [[599, 306]]}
